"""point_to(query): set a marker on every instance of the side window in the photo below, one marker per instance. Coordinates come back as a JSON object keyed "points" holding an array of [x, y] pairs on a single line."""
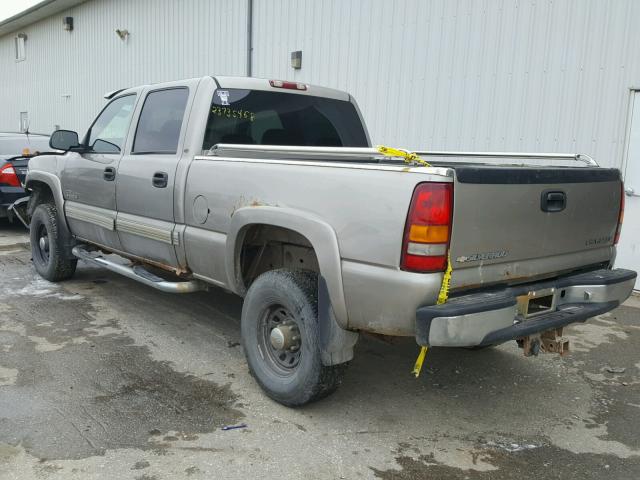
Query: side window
{"points": [[21, 52], [160, 121], [108, 132]]}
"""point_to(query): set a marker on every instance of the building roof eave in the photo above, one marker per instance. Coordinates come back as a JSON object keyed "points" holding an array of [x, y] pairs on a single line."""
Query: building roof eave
{"points": [[37, 12]]}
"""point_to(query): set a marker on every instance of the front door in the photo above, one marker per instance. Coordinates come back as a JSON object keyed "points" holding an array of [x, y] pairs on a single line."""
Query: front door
{"points": [[629, 246], [146, 176], [88, 179]]}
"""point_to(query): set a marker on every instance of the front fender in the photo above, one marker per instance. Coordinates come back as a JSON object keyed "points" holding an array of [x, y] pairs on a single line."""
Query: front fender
{"points": [[53, 182], [319, 233]]}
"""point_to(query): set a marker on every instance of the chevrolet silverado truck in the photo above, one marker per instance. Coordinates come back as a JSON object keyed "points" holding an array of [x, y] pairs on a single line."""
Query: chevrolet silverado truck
{"points": [[271, 190]]}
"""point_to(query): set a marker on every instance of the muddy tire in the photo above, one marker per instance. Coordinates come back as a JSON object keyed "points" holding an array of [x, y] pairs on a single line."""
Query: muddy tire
{"points": [[280, 336], [46, 248]]}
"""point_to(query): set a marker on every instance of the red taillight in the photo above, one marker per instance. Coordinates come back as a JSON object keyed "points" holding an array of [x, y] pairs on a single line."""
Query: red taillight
{"points": [[620, 215], [8, 176], [428, 228], [289, 85]]}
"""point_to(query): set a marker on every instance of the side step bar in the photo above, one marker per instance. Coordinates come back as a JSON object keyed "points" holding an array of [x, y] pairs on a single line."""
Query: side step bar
{"points": [[139, 273]]}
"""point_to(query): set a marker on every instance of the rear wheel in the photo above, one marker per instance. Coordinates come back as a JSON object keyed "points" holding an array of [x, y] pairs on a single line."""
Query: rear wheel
{"points": [[280, 337], [46, 248]]}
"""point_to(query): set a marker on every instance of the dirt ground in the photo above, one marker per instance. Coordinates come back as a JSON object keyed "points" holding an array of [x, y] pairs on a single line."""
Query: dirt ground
{"points": [[101, 377]]}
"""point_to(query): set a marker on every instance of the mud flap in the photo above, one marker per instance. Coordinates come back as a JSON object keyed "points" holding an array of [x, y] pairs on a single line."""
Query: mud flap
{"points": [[336, 343]]}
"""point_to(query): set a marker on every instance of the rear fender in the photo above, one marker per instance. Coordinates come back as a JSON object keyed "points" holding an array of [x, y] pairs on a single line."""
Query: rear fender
{"points": [[319, 233]]}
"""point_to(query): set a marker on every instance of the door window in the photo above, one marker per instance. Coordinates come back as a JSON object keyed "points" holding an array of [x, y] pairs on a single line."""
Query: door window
{"points": [[160, 121], [109, 130]]}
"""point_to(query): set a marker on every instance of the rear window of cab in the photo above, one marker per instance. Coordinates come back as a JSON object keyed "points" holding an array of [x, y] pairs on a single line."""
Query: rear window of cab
{"points": [[256, 117]]}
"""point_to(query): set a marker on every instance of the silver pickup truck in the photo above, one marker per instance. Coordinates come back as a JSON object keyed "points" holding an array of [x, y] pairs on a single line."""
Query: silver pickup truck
{"points": [[271, 189]]}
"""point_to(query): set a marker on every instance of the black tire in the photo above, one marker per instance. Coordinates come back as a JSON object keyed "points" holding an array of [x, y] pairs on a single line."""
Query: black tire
{"points": [[46, 248], [291, 295]]}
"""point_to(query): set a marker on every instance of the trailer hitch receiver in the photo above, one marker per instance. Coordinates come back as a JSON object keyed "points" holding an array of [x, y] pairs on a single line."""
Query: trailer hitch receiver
{"points": [[550, 341]]}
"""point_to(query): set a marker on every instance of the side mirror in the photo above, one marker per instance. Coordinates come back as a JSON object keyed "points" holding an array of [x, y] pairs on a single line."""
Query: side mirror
{"points": [[63, 140]]}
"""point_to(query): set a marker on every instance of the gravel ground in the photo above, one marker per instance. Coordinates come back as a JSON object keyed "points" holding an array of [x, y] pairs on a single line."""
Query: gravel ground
{"points": [[101, 377]]}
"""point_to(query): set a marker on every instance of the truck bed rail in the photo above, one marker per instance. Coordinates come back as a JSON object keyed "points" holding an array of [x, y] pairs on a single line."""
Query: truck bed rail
{"points": [[372, 154]]}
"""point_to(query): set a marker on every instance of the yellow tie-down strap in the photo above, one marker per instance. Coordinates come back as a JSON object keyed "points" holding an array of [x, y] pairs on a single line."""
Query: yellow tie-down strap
{"points": [[414, 158], [408, 157], [442, 298]]}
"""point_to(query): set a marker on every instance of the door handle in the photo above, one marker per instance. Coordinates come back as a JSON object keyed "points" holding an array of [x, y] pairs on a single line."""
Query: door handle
{"points": [[631, 192], [553, 201], [160, 179], [109, 174]]}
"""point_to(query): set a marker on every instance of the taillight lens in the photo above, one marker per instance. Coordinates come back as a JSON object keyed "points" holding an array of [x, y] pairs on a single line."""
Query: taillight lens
{"points": [[620, 215], [428, 228], [8, 176]]}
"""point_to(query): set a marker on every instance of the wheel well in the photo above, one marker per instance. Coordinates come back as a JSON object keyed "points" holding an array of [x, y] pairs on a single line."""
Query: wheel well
{"points": [[267, 247], [40, 193]]}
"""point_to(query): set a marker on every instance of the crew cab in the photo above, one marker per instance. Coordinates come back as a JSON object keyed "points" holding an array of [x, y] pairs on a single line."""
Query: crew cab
{"points": [[271, 190]]}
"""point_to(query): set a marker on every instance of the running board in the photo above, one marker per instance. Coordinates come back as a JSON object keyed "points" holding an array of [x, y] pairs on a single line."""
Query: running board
{"points": [[139, 273]]}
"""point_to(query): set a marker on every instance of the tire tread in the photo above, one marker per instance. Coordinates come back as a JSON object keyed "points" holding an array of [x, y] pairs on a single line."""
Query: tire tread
{"points": [[326, 378], [62, 268]]}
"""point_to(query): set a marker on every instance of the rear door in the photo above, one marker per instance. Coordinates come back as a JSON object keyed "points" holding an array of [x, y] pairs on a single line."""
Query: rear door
{"points": [[146, 175], [515, 224]]}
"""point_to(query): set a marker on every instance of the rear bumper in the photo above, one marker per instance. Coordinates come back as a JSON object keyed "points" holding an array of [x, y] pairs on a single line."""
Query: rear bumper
{"points": [[8, 195], [492, 317]]}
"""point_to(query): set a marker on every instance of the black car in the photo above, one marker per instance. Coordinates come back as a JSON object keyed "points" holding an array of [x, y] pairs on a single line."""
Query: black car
{"points": [[15, 151]]}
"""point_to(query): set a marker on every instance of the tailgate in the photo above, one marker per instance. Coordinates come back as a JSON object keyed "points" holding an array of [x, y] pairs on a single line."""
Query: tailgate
{"points": [[516, 224]]}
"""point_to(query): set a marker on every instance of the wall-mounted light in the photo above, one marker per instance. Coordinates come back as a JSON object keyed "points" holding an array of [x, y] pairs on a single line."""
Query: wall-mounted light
{"points": [[123, 34], [296, 59], [67, 23]]}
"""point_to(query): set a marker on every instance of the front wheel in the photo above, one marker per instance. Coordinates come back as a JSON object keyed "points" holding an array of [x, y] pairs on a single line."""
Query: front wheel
{"points": [[46, 247], [280, 336]]}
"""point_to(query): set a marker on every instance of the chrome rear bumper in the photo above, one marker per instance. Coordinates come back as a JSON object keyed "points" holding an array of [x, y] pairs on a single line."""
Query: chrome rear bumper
{"points": [[493, 317]]}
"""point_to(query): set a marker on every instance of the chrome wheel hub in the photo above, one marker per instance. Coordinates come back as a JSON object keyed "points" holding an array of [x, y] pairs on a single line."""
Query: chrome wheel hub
{"points": [[285, 337], [279, 340]]}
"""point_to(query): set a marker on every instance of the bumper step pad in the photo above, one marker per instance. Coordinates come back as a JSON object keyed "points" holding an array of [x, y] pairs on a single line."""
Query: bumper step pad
{"points": [[565, 315], [495, 300]]}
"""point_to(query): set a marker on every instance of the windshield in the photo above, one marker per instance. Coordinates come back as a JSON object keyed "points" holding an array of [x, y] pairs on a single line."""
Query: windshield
{"points": [[257, 117]]}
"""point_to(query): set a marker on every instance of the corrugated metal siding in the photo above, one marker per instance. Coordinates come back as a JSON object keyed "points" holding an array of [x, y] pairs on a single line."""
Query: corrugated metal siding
{"points": [[66, 73], [536, 75]]}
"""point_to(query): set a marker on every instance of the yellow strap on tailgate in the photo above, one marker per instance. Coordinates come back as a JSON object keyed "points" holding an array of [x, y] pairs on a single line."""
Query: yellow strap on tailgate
{"points": [[443, 295], [409, 157]]}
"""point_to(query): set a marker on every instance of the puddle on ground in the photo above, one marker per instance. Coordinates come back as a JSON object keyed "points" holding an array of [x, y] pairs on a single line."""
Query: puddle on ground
{"points": [[71, 391], [543, 463]]}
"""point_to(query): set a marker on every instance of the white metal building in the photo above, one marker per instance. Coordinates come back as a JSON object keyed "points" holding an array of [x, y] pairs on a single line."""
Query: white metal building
{"points": [[535, 75]]}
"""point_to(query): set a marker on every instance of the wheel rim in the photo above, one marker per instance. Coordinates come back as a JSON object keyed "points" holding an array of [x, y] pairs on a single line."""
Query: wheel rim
{"points": [[279, 340], [42, 244]]}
